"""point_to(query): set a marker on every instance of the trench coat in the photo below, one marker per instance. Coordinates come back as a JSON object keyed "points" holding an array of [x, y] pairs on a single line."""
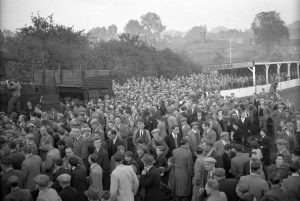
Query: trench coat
{"points": [[183, 171]]}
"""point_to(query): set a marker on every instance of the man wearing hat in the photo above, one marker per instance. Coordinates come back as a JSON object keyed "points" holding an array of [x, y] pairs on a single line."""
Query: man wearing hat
{"points": [[96, 172], [281, 147], [43, 184], [124, 182], [226, 185], [78, 176], [150, 179], [68, 193], [129, 160], [29, 140], [209, 135], [194, 137], [183, 170], [219, 145], [213, 192], [185, 128], [58, 170]]}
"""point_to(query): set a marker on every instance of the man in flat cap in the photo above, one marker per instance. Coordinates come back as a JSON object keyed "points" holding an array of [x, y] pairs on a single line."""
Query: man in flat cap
{"points": [[219, 145], [43, 184], [185, 128], [68, 193], [226, 185], [78, 176], [194, 137], [281, 147]]}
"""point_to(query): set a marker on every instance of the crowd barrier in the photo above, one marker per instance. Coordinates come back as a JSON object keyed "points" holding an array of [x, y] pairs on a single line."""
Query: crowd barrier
{"points": [[249, 91]]}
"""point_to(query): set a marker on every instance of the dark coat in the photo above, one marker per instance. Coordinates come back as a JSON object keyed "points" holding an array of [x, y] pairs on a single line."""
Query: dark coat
{"points": [[19, 195], [244, 127], [265, 149], [103, 161], [292, 185], [4, 187], [238, 136], [17, 158], [170, 141], [78, 179], [71, 194], [228, 187], [151, 183], [226, 164], [215, 155], [112, 148], [276, 193]]}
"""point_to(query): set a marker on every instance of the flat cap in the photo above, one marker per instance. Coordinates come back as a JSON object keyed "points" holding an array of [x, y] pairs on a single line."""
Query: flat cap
{"points": [[42, 180], [93, 121], [224, 134], [219, 172], [59, 162], [30, 125], [183, 119], [85, 129], [281, 141], [210, 160], [156, 130], [128, 153], [195, 123], [64, 178], [29, 136]]}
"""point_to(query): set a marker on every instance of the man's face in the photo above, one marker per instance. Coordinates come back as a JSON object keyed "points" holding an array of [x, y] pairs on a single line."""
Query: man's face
{"points": [[176, 130], [69, 152], [97, 144], [43, 131], [280, 147], [141, 126], [279, 160], [209, 166]]}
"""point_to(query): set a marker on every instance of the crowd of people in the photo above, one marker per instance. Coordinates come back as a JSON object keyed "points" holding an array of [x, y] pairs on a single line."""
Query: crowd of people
{"points": [[157, 139]]}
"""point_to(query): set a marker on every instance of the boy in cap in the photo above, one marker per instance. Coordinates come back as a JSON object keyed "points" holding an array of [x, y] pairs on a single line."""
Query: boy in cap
{"points": [[43, 184], [68, 193]]}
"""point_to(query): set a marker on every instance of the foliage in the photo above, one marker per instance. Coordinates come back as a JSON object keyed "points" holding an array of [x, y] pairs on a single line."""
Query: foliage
{"points": [[269, 29], [152, 26], [196, 34], [133, 27]]}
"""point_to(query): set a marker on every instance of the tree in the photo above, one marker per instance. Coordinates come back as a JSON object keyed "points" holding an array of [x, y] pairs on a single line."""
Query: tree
{"points": [[44, 44], [133, 27], [112, 31], [153, 27], [97, 34], [1, 38], [269, 29]]}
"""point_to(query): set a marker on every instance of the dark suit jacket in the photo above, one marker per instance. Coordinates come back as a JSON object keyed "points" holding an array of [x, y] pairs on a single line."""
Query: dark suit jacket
{"points": [[244, 126], [71, 194], [17, 158], [4, 187], [292, 185], [78, 179], [19, 195], [113, 148], [238, 136], [228, 187], [151, 183], [103, 160], [265, 144], [215, 155], [275, 193], [170, 141]]}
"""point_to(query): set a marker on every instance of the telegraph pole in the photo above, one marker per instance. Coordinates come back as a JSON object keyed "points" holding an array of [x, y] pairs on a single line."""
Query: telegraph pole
{"points": [[230, 51]]}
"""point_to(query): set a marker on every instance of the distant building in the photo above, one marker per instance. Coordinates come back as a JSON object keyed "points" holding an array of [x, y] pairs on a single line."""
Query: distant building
{"points": [[294, 40]]}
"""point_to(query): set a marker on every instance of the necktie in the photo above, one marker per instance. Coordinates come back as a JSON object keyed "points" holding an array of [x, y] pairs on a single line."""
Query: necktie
{"points": [[175, 139]]}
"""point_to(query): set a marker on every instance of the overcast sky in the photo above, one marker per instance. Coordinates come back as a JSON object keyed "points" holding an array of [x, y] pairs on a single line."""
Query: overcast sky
{"points": [[175, 14]]}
